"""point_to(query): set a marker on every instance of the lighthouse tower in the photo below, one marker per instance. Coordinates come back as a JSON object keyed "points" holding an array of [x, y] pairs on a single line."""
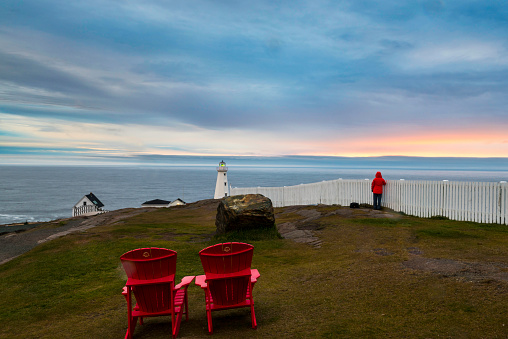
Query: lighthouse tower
{"points": [[221, 187]]}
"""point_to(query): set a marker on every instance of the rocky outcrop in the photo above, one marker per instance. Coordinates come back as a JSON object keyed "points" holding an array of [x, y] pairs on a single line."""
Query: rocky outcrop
{"points": [[249, 211]]}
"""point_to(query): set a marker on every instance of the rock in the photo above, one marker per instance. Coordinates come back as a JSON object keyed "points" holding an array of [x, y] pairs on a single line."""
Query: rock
{"points": [[251, 211]]}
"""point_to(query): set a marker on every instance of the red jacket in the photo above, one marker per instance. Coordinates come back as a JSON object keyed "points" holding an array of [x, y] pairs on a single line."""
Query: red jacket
{"points": [[377, 184]]}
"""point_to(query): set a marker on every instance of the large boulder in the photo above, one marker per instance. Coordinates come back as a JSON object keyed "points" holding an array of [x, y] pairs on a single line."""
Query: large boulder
{"points": [[244, 212]]}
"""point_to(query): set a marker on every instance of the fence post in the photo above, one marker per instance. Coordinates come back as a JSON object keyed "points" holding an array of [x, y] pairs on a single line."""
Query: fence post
{"points": [[502, 204]]}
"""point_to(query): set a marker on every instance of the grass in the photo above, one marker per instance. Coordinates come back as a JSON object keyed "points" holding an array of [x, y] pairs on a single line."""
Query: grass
{"points": [[354, 286]]}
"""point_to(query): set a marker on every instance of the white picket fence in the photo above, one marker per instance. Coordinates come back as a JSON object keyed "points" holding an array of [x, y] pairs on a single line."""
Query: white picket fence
{"points": [[483, 202], [86, 210]]}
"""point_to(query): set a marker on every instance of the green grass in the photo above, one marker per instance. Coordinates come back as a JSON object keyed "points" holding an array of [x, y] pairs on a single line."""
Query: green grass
{"points": [[354, 286]]}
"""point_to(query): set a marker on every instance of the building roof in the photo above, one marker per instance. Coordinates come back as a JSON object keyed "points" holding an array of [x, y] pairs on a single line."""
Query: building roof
{"points": [[94, 200], [156, 202], [177, 202]]}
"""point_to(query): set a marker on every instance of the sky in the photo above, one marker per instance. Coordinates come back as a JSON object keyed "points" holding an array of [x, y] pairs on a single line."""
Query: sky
{"points": [[99, 80]]}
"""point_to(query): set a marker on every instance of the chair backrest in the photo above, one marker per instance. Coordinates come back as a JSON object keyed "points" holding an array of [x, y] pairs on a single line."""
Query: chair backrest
{"points": [[225, 260], [148, 264]]}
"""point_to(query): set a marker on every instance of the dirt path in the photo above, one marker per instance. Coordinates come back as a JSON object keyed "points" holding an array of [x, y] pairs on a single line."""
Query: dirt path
{"points": [[303, 230], [22, 239]]}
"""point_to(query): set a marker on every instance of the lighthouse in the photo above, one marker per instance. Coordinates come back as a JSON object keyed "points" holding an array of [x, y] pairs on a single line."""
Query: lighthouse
{"points": [[221, 187]]}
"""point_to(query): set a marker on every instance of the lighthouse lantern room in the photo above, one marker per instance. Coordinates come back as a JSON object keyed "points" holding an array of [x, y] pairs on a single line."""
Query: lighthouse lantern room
{"points": [[221, 187]]}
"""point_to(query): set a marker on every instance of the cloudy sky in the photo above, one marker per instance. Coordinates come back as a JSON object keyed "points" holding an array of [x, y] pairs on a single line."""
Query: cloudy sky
{"points": [[113, 79]]}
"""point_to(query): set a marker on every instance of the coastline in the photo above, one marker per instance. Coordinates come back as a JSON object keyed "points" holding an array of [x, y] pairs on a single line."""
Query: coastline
{"points": [[18, 241], [43, 194]]}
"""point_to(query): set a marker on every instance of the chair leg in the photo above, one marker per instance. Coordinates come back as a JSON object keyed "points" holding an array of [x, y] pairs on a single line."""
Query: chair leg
{"points": [[209, 318], [252, 313], [208, 303], [253, 316], [186, 309], [131, 321], [131, 327], [176, 322]]}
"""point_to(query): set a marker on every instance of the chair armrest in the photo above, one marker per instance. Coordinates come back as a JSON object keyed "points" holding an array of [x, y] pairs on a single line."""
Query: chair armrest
{"points": [[185, 282], [201, 281], [254, 275]]}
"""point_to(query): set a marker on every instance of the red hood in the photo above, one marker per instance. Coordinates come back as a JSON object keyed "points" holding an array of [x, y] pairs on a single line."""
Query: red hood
{"points": [[378, 175]]}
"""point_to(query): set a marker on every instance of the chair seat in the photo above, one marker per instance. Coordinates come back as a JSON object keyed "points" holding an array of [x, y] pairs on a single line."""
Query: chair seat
{"points": [[214, 307], [179, 300], [139, 282], [137, 313]]}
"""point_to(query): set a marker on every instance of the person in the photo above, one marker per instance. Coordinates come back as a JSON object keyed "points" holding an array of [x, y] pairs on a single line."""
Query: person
{"points": [[377, 189]]}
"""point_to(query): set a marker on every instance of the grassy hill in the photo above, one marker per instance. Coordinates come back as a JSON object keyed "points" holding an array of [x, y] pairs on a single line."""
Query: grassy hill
{"points": [[372, 276]]}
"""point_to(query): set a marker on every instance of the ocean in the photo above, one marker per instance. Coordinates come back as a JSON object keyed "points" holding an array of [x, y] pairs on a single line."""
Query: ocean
{"points": [[43, 193]]}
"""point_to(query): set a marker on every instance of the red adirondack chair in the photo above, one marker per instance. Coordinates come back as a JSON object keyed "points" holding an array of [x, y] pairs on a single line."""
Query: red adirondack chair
{"points": [[228, 280], [151, 275]]}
